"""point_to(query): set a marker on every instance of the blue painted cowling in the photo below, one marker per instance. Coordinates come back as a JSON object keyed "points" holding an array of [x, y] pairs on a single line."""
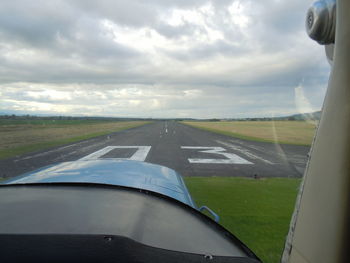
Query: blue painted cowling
{"points": [[50, 210], [128, 173]]}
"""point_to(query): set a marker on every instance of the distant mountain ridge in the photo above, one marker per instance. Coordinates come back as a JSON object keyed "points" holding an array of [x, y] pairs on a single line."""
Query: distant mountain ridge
{"points": [[313, 116], [310, 116], [307, 116]]}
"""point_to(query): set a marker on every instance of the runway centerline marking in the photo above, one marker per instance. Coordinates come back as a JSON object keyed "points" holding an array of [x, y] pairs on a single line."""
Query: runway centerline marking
{"points": [[140, 154], [231, 157]]}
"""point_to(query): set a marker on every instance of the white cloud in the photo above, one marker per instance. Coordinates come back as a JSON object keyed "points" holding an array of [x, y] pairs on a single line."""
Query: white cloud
{"points": [[239, 14]]}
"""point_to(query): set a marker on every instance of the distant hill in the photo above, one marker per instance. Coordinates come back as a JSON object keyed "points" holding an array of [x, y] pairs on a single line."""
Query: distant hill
{"points": [[306, 116], [6, 115], [313, 116]]}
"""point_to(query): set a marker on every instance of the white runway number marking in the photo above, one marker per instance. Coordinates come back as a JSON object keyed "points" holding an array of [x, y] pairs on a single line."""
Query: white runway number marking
{"points": [[231, 158], [140, 154]]}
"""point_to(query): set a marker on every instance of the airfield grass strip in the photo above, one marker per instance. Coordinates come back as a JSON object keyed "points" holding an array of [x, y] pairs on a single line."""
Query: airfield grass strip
{"points": [[50, 122], [257, 211], [244, 137], [233, 134], [11, 152]]}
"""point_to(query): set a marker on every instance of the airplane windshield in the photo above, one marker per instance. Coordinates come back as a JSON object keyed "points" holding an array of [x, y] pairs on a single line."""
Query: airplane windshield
{"points": [[212, 103]]}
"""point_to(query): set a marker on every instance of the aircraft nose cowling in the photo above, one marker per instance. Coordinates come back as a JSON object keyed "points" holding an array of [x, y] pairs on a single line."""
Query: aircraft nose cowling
{"points": [[134, 174]]}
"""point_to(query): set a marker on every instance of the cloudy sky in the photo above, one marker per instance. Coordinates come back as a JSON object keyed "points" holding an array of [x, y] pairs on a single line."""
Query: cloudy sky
{"points": [[159, 58]]}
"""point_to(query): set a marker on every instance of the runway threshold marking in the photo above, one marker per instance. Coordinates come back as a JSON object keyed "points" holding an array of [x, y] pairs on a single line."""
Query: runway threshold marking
{"points": [[140, 154], [231, 157]]}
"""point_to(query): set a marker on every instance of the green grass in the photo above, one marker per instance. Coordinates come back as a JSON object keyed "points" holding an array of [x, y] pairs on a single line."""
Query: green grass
{"points": [[258, 212], [282, 132], [11, 152], [48, 122], [44, 145]]}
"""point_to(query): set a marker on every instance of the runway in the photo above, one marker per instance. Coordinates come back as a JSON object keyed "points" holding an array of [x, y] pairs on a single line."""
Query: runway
{"points": [[189, 151]]}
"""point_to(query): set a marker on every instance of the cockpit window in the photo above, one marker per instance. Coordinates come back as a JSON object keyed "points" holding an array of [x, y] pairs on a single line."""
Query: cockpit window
{"points": [[224, 96]]}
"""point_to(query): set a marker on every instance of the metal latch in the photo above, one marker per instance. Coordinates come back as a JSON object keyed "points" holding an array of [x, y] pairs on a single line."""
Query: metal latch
{"points": [[211, 212]]}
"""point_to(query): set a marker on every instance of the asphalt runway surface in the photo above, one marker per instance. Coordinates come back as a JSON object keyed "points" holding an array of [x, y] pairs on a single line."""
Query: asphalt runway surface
{"points": [[189, 151]]}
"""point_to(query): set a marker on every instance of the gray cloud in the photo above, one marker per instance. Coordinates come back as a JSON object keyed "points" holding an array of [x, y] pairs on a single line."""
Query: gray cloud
{"points": [[214, 52]]}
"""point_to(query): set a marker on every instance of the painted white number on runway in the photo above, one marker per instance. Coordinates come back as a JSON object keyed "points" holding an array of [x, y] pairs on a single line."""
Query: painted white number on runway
{"points": [[231, 157], [139, 155]]}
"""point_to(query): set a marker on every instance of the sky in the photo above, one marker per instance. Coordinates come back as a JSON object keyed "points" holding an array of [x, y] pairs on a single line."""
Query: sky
{"points": [[159, 58]]}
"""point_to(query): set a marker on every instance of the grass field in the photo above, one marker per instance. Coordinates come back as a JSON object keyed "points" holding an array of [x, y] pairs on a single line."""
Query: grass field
{"points": [[258, 212], [287, 132], [22, 136]]}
